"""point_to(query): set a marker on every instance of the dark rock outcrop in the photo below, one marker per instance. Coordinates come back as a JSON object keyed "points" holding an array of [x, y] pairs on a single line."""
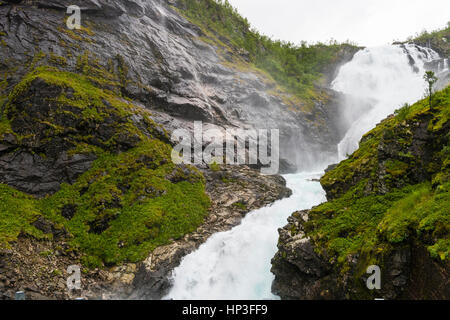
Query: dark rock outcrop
{"points": [[301, 273], [36, 156]]}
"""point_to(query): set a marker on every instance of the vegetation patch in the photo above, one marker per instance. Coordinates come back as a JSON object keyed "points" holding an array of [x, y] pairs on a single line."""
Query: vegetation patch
{"points": [[386, 194], [131, 200], [392, 139], [296, 68], [127, 205], [17, 212], [439, 40]]}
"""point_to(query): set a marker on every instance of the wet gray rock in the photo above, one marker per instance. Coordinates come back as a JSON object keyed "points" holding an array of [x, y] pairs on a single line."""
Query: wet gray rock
{"points": [[168, 68], [41, 159], [37, 175], [92, 7]]}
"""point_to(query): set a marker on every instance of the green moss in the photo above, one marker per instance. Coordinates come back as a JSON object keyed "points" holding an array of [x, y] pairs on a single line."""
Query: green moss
{"points": [[4, 82], [103, 76], [296, 68], [371, 225], [440, 250], [5, 124], [57, 60], [2, 42], [125, 207], [396, 167], [214, 167], [403, 215], [17, 212], [37, 58], [78, 34], [403, 112], [122, 70], [129, 202], [375, 205], [46, 253], [57, 272], [423, 213], [227, 179]]}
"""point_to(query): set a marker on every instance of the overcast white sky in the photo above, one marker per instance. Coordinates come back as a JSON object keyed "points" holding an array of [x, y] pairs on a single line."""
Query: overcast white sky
{"points": [[366, 22]]}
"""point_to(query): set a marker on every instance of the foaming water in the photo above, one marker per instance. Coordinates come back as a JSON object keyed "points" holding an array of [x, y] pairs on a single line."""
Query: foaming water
{"points": [[384, 78], [236, 264]]}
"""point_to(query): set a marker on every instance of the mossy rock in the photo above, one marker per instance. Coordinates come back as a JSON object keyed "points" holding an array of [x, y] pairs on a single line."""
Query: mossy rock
{"points": [[392, 191], [129, 200]]}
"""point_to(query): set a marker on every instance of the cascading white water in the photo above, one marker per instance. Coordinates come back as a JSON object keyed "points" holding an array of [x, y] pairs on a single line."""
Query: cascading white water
{"points": [[445, 65], [236, 264], [384, 78]]}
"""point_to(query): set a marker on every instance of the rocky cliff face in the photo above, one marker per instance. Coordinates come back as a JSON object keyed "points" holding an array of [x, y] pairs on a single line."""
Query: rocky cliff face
{"points": [[388, 205], [156, 57]]}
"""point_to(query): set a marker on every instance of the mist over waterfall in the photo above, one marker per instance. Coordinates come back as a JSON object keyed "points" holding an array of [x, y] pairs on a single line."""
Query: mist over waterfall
{"points": [[236, 264], [377, 82]]}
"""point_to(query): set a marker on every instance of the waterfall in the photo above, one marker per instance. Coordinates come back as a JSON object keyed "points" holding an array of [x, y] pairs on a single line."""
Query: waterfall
{"points": [[445, 65], [385, 78], [236, 264]]}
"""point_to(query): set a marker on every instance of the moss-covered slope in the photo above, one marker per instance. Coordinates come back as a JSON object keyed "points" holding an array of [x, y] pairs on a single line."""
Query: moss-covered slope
{"points": [[386, 202], [394, 187], [99, 169]]}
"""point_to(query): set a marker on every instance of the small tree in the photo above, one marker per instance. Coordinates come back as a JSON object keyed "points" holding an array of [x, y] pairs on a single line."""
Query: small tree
{"points": [[431, 79]]}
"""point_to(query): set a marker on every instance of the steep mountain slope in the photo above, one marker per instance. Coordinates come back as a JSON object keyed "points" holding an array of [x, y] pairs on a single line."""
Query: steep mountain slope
{"points": [[388, 205], [148, 52]]}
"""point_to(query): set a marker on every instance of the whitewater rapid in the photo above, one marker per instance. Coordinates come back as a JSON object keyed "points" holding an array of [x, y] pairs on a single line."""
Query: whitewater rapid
{"points": [[236, 264]]}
